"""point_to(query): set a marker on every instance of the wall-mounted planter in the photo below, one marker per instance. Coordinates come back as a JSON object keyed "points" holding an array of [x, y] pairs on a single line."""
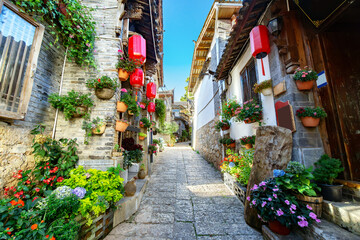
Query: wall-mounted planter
{"points": [[99, 130], [248, 146], [80, 111], [305, 85], [104, 93], [121, 126], [310, 121], [266, 91], [141, 138], [123, 75], [121, 107]]}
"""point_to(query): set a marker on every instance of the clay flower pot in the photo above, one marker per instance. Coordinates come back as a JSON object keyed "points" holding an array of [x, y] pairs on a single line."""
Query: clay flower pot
{"points": [[226, 127], [80, 111], [123, 75], [141, 138], [121, 107], [303, 86], [130, 188], [142, 174], [121, 126], [278, 228], [142, 125], [248, 146], [266, 91], [99, 130], [104, 93], [232, 145], [310, 121]]}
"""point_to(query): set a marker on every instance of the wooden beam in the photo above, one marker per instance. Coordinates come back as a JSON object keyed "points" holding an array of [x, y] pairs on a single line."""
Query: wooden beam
{"points": [[204, 45], [200, 58], [207, 39], [210, 30], [198, 67]]}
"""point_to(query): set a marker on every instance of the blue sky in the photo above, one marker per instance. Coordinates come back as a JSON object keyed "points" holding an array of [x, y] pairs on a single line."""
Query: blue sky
{"points": [[183, 21]]}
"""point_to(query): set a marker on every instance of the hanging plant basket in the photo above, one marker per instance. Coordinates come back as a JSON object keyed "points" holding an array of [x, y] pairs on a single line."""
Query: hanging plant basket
{"points": [[141, 138], [99, 130], [123, 75], [121, 126], [310, 121], [121, 107], [80, 111], [305, 85], [248, 146], [276, 227], [232, 145], [104, 93], [266, 91], [225, 127]]}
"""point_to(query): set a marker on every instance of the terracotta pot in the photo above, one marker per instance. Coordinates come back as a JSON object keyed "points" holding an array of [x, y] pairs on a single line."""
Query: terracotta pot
{"points": [[142, 125], [310, 121], [141, 138], [232, 145], [121, 107], [121, 126], [99, 130], [302, 86], [226, 127], [130, 188], [80, 111], [142, 174], [248, 146], [278, 228], [266, 91], [314, 202], [123, 75], [104, 93], [249, 121]]}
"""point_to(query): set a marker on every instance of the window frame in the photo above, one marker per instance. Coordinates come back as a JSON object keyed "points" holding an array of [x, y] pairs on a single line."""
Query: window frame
{"points": [[31, 64], [246, 70]]}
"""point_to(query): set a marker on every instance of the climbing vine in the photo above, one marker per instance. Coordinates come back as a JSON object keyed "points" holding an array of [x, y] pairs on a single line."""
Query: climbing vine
{"points": [[160, 110]]}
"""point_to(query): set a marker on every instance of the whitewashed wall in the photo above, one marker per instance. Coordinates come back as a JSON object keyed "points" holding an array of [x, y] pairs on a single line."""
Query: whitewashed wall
{"points": [[204, 103]]}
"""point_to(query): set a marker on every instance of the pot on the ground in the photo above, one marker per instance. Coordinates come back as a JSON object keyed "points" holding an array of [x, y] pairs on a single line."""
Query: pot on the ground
{"points": [[266, 91], [121, 107], [248, 146], [104, 93], [123, 75], [314, 202], [310, 121], [99, 130], [130, 188], [121, 126], [142, 174], [305, 85], [276, 227], [331, 192], [134, 168], [80, 111]]}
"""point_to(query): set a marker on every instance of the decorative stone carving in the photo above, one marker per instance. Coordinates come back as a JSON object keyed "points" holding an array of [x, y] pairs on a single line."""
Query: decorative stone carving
{"points": [[272, 151]]}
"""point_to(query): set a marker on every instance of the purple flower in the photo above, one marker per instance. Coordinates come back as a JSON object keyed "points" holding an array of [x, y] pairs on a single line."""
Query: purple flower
{"points": [[287, 202], [313, 215], [279, 212], [262, 184], [248, 198], [253, 202], [263, 204], [303, 223], [308, 207], [270, 199], [293, 206], [275, 189], [274, 195], [80, 192], [254, 187]]}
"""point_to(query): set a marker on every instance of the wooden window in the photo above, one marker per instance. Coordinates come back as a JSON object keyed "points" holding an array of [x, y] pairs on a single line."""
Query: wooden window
{"points": [[248, 78], [20, 41]]}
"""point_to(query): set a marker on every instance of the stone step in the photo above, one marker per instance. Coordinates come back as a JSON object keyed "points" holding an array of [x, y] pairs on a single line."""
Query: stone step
{"points": [[346, 214], [351, 190], [269, 235]]}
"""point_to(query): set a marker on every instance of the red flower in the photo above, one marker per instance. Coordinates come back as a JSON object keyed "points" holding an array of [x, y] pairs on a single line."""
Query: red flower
{"points": [[60, 179], [34, 199], [99, 80], [37, 189], [28, 182], [34, 226]]}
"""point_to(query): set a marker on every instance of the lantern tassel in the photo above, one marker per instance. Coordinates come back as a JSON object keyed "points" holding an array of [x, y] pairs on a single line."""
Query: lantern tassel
{"points": [[262, 66]]}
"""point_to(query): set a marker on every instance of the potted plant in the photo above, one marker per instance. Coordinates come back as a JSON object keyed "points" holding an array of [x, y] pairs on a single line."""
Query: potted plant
{"points": [[250, 112], [104, 87], [298, 180], [133, 109], [133, 157], [125, 100], [228, 142], [327, 169], [121, 125], [74, 104], [278, 208], [142, 173], [248, 141], [264, 87], [228, 109], [310, 117], [160, 110], [118, 151], [305, 78], [125, 67], [95, 127], [145, 123], [152, 149], [142, 136], [222, 125]]}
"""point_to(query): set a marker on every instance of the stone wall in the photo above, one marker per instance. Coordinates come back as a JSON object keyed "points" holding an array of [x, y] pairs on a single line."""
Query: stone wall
{"points": [[207, 143]]}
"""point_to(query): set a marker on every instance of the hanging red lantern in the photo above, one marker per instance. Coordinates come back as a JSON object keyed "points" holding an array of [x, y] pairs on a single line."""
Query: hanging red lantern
{"points": [[260, 43], [137, 78], [151, 107], [137, 49], [151, 90]]}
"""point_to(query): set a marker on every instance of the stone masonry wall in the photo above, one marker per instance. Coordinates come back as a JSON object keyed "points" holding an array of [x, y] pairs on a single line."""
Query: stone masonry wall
{"points": [[15, 138]]}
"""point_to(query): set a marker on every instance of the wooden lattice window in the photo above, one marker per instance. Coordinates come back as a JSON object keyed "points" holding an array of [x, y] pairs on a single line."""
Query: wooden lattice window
{"points": [[248, 78], [20, 41]]}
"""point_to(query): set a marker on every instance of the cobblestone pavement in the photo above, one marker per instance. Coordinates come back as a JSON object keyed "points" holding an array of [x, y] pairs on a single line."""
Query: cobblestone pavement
{"points": [[186, 199]]}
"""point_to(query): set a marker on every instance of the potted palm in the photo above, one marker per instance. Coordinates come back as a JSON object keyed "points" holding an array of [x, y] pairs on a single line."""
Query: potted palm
{"points": [[142, 136], [121, 125], [104, 87], [327, 170], [125, 67], [305, 78], [310, 117], [222, 125], [264, 87], [250, 112], [248, 141]]}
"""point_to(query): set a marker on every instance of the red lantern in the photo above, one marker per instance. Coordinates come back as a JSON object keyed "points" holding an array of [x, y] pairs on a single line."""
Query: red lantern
{"points": [[137, 49], [260, 43], [151, 107], [137, 78], [151, 90]]}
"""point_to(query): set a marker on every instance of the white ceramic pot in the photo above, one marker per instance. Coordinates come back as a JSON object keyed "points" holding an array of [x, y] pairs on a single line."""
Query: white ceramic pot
{"points": [[124, 174], [135, 167], [266, 91]]}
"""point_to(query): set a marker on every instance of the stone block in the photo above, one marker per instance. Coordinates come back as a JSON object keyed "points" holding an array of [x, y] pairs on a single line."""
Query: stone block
{"points": [[311, 155]]}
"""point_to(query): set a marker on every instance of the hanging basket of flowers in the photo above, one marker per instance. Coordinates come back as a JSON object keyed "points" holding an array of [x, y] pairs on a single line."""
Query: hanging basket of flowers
{"points": [[305, 78], [105, 87], [125, 66], [250, 112], [248, 141], [264, 87], [126, 100], [142, 136], [145, 123], [121, 125], [310, 117], [222, 125]]}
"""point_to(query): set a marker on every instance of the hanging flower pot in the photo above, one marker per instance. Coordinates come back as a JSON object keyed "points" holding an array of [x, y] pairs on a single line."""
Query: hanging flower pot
{"points": [[99, 130], [310, 121], [123, 75], [305, 78], [276, 227], [265, 87], [80, 111], [232, 145], [141, 138], [303, 86], [310, 117], [121, 107], [266, 91], [248, 146], [104, 93], [121, 125]]}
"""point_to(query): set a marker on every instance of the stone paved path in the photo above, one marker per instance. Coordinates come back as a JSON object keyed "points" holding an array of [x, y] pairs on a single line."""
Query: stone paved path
{"points": [[186, 199]]}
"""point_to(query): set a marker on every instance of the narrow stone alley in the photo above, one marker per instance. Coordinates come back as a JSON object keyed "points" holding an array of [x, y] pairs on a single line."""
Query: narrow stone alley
{"points": [[186, 199]]}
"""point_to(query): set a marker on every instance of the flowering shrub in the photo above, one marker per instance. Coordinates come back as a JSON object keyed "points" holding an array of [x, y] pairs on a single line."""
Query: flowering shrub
{"points": [[228, 109], [125, 64], [145, 122], [248, 140], [317, 112], [238, 166], [251, 111], [103, 82], [263, 85], [305, 74], [126, 97], [273, 203], [222, 124]]}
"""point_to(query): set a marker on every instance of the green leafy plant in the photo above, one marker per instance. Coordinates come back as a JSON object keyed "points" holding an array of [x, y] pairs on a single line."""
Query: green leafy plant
{"points": [[317, 112], [250, 111], [152, 149], [134, 108], [298, 179], [305, 75], [132, 156], [156, 141], [117, 148], [222, 124], [168, 128], [142, 134], [263, 85], [116, 170], [88, 126], [327, 169], [226, 141], [103, 82], [248, 140], [160, 110], [145, 122], [126, 64], [69, 103], [228, 109]]}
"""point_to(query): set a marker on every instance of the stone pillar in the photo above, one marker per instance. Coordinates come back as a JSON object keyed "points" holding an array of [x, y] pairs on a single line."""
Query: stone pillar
{"points": [[273, 150]]}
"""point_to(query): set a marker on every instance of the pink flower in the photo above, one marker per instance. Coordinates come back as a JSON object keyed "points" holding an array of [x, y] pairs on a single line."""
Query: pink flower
{"points": [[71, 36], [142, 106], [257, 106], [313, 215], [279, 212], [255, 187], [315, 113], [270, 199], [248, 198], [94, 51], [292, 212], [247, 108], [253, 202], [287, 202], [263, 204], [274, 195], [87, 50], [275, 189], [293, 206], [122, 58], [262, 184], [317, 220], [88, 44], [123, 90], [308, 207], [303, 223], [78, 27], [120, 51]]}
